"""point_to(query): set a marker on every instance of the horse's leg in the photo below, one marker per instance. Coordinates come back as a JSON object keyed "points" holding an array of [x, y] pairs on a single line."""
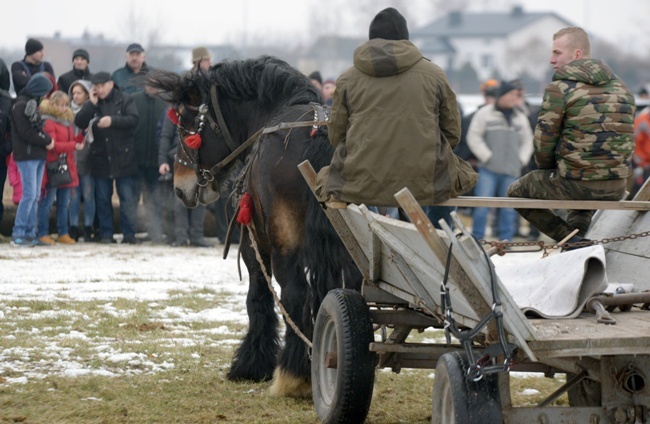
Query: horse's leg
{"points": [[292, 376], [256, 356]]}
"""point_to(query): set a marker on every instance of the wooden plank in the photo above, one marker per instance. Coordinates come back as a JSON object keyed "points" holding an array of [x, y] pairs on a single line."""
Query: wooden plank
{"points": [[583, 336], [390, 288], [375, 257], [409, 281], [473, 285], [523, 203], [337, 221]]}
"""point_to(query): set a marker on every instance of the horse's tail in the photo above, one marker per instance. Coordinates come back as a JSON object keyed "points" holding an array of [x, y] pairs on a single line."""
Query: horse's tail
{"points": [[327, 261]]}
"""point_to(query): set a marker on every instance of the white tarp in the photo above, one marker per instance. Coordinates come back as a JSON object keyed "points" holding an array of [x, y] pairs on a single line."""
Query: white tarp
{"points": [[557, 286]]}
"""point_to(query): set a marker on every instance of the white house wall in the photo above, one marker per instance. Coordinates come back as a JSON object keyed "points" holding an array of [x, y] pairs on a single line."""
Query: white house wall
{"points": [[506, 64], [529, 49]]}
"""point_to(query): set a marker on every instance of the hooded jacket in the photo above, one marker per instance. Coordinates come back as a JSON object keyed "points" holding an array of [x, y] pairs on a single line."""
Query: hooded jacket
{"points": [[112, 153], [59, 125], [394, 123], [586, 124], [29, 141]]}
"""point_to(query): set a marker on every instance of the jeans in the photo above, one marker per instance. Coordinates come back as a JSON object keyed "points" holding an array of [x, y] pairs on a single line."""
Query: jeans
{"points": [[31, 177], [491, 184], [86, 190], [436, 213], [103, 195], [62, 196]]}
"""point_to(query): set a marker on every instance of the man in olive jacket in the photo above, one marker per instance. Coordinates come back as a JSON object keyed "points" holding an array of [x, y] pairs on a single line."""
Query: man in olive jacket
{"points": [[112, 153], [394, 123]]}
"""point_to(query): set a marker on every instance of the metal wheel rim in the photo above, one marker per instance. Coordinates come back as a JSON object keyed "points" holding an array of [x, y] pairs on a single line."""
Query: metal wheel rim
{"points": [[447, 415], [327, 376]]}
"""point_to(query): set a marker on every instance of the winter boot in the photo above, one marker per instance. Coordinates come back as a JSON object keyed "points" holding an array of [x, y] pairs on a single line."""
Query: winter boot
{"points": [[88, 234], [74, 233]]}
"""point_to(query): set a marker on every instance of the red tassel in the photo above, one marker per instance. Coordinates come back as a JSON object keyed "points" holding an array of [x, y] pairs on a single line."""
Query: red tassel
{"points": [[193, 141], [245, 209], [173, 116]]}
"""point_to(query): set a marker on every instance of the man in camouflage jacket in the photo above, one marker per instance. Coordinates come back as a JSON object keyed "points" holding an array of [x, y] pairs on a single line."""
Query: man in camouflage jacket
{"points": [[584, 138]]}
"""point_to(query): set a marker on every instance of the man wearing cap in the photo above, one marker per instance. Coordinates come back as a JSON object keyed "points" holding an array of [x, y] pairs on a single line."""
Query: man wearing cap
{"points": [[32, 63], [112, 157], [201, 59], [394, 123], [80, 70], [30, 146], [502, 141], [584, 138], [129, 77]]}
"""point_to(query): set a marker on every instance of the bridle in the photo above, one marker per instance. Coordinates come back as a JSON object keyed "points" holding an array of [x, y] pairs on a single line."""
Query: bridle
{"points": [[203, 175]]}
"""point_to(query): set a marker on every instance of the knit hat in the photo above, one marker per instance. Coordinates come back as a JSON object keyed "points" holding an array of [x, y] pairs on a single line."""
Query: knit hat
{"points": [[101, 78], [32, 46], [506, 87], [81, 52], [200, 53], [389, 24], [38, 85]]}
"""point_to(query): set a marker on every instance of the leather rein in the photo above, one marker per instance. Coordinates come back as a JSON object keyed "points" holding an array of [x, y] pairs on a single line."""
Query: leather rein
{"points": [[205, 176]]}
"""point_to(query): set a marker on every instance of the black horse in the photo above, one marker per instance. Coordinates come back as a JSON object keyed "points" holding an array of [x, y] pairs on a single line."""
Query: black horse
{"points": [[225, 107]]}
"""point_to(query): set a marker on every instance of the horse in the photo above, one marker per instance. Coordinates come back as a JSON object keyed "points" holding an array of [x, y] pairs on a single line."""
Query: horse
{"points": [[226, 109]]}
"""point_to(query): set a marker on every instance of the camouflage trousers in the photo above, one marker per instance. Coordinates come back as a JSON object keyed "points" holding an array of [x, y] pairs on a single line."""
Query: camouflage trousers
{"points": [[547, 184]]}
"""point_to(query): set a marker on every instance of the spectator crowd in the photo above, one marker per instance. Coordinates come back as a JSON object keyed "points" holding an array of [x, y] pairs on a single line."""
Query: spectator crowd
{"points": [[103, 131]]}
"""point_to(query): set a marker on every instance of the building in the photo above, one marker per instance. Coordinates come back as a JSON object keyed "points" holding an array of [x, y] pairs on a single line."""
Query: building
{"points": [[502, 45]]}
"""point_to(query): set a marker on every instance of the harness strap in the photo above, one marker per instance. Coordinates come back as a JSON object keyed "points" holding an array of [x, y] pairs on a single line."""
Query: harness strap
{"points": [[221, 122], [266, 130]]}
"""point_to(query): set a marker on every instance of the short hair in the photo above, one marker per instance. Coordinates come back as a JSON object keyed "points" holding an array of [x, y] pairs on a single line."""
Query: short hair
{"points": [[578, 39]]}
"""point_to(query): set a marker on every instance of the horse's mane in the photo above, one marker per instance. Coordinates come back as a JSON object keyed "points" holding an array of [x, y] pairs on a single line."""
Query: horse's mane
{"points": [[269, 80]]}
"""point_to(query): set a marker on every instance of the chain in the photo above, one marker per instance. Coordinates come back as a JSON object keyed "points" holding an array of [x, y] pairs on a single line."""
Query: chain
{"points": [[538, 246]]}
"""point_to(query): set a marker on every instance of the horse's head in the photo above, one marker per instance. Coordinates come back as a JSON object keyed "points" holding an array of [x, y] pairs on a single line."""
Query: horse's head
{"points": [[201, 141], [245, 94]]}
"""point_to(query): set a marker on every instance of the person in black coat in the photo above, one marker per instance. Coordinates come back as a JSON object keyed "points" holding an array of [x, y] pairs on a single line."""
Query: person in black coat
{"points": [[111, 118], [80, 70], [32, 63], [5, 127], [30, 146]]}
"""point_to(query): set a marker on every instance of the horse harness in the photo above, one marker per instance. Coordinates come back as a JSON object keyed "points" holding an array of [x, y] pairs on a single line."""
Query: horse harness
{"points": [[205, 176]]}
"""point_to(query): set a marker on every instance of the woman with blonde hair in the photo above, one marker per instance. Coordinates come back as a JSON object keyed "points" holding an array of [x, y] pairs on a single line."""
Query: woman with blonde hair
{"points": [[59, 124]]}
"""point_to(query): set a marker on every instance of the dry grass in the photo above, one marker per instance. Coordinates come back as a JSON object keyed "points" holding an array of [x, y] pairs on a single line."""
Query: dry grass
{"points": [[137, 361]]}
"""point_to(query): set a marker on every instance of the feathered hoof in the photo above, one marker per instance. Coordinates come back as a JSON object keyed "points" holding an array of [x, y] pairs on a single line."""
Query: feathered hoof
{"points": [[288, 385]]}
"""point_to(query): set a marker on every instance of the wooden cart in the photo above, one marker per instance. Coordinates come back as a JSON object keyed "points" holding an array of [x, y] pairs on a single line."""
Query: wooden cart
{"points": [[410, 282]]}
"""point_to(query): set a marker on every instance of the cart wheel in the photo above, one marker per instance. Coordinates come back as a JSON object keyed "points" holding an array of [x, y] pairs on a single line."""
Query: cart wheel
{"points": [[586, 393], [457, 400], [342, 366]]}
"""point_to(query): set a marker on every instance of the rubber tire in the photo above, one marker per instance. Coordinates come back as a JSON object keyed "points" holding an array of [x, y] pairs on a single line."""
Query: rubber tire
{"points": [[584, 394], [457, 400], [343, 324]]}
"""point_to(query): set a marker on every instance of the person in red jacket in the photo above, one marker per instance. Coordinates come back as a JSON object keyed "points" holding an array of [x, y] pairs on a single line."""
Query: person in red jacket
{"points": [[59, 124], [641, 156]]}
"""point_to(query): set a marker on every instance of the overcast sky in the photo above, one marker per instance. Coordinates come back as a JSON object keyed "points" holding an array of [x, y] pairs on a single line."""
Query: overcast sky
{"points": [[194, 22]]}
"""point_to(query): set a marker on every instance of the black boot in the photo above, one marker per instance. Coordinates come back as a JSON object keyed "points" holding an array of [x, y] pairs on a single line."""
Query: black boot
{"points": [[74, 233], [88, 234]]}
